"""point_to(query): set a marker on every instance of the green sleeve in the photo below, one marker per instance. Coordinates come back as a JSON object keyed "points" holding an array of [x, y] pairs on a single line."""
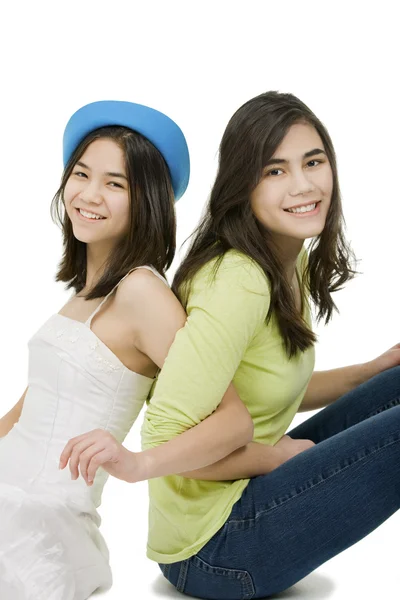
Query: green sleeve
{"points": [[224, 314]]}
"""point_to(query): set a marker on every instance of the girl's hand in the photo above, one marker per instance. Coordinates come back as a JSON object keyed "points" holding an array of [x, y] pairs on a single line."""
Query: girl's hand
{"points": [[87, 452], [289, 447], [387, 360]]}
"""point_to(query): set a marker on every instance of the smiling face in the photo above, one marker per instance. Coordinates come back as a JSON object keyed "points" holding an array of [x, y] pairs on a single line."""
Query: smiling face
{"points": [[96, 195], [298, 175]]}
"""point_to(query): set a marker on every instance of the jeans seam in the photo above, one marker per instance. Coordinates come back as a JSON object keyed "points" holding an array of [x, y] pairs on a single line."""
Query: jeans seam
{"points": [[384, 407], [167, 570], [248, 585], [180, 585], [357, 460], [241, 575]]}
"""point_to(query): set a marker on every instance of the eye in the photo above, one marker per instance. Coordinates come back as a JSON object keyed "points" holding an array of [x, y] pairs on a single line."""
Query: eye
{"points": [[315, 161], [274, 172], [79, 174], [115, 184]]}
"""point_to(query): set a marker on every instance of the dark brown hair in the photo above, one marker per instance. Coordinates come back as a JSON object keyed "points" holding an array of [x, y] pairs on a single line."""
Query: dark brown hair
{"points": [[152, 227], [250, 140]]}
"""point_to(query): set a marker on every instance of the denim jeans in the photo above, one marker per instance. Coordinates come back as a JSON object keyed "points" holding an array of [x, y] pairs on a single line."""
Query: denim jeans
{"points": [[317, 504]]}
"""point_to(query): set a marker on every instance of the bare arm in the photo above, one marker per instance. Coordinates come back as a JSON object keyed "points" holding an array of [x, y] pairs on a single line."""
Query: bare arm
{"points": [[217, 436], [327, 386], [250, 461], [9, 420], [155, 319]]}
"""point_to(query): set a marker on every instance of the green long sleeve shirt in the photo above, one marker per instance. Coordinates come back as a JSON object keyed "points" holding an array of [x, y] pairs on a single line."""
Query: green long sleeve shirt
{"points": [[225, 339]]}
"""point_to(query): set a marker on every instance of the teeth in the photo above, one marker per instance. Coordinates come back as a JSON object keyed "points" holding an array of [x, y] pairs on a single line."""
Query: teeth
{"points": [[89, 215], [303, 209]]}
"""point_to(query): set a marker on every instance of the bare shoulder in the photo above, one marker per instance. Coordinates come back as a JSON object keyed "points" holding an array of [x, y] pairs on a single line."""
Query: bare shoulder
{"points": [[144, 295], [141, 281]]}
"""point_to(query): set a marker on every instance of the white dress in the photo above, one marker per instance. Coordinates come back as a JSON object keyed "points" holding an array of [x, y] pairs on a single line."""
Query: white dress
{"points": [[50, 544]]}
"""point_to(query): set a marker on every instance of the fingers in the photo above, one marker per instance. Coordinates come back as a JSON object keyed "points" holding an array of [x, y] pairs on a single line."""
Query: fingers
{"points": [[77, 454], [91, 460], [85, 453], [395, 347], [66, 453], [96, 461]]}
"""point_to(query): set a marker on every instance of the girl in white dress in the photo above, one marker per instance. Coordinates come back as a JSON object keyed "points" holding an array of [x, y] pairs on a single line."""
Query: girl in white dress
{"points": [[92, 365]]}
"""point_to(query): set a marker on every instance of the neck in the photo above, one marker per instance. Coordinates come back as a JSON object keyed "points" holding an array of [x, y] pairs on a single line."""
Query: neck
{"points": [[288, 250], [96, 258]]}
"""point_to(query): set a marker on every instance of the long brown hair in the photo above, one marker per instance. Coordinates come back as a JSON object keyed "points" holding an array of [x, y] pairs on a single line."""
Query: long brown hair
{"points": [[250, 140], [152, 227]]}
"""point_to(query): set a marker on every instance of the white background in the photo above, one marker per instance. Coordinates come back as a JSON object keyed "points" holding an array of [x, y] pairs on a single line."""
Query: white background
{"points": [[198, 62]]}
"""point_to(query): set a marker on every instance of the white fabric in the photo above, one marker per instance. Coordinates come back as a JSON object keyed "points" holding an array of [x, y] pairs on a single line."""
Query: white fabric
{"points": [[50, 544]]}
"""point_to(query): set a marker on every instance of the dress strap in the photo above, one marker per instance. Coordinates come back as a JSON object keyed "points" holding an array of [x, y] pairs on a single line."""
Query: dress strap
{"points": [[152, 269]]}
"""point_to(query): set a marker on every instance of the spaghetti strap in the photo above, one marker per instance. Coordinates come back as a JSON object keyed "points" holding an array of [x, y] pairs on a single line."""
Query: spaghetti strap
{"points": [[149, 268], [156, 273]]}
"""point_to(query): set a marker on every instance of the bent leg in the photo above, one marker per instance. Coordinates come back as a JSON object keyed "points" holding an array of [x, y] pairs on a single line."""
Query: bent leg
{"points": [[297, 517]]}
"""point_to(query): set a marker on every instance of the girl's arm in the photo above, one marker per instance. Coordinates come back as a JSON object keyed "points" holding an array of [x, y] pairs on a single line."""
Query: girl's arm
{"points": [[155, 316], [9, 420], [326, 387], [250, 461], [230, 427], [223, 317]]}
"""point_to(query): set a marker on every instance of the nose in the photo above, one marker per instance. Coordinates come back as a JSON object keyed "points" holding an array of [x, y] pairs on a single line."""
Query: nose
{"points": [[301, 184], [91, 193]]}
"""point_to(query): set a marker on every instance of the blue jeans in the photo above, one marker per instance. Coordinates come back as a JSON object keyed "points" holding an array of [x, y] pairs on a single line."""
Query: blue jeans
{"points": [[317, 504]]}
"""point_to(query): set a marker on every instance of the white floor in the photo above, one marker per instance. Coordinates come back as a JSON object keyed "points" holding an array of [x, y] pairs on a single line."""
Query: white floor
{"points": [[370, 570]]}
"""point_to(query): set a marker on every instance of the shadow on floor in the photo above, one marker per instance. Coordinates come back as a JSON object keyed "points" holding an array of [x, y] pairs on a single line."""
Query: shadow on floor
{"points": [[313, 587]]}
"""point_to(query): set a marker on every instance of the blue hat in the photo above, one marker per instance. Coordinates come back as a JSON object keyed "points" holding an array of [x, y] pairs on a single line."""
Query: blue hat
{"points": [[159, 129]]}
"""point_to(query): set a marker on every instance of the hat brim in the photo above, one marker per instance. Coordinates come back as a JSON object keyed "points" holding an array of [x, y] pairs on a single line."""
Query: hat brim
{"points": [[159, 129]]}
